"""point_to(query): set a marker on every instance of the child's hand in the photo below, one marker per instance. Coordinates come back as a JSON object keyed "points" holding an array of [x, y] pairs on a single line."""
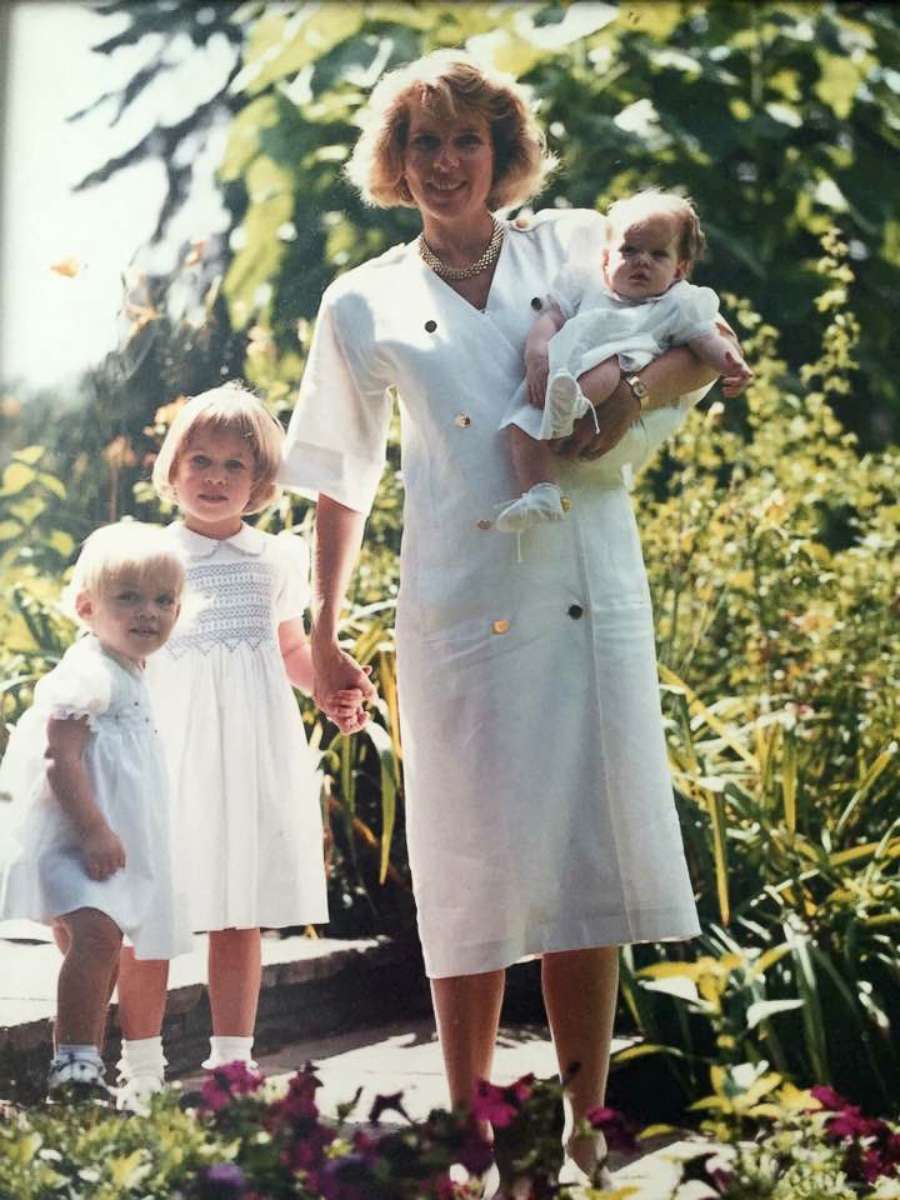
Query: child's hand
{"points": [[537, 368], [103, 852], [736, 375], [347, 710]]}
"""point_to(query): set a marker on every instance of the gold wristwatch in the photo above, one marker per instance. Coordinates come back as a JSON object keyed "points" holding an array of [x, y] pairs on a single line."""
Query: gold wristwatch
{"points": [[639, 390]]}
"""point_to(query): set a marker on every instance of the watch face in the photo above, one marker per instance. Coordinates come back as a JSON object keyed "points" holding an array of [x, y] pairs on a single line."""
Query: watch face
{"points": [[637, 386]]}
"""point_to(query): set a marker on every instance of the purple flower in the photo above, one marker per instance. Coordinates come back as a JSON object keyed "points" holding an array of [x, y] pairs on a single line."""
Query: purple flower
{"points": [[221, 1181], [614, 1127], [224, 1083]]}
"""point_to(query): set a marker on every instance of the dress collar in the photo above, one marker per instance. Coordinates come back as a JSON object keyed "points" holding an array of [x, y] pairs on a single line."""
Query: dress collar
{"points": [[247, 539]]}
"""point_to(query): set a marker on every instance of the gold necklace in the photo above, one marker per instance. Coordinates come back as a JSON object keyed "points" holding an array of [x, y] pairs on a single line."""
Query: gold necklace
{"points": [[486, 259]]}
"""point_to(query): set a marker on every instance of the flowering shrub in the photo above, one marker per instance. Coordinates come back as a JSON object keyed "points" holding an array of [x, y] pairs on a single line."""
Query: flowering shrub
{"points": [[245, 1138]]}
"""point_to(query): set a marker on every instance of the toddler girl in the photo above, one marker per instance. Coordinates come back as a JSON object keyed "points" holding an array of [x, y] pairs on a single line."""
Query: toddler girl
{"points": [[245, 792], [84, 768], [609, 322]]}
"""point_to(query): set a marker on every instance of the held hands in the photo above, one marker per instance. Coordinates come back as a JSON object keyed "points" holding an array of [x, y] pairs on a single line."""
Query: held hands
{"points": [[341, 687], [102, 851]]}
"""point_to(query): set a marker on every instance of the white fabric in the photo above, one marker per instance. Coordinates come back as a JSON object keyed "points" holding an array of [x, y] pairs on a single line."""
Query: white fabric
{"points": [[539, 805], [245, 789], [42, 875], [601, 324]]}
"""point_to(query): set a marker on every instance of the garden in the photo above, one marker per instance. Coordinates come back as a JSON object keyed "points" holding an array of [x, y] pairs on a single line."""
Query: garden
{"points": [[770, 532]]}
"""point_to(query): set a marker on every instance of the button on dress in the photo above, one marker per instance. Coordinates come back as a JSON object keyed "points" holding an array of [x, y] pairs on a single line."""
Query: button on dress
{"points": [[540, 813]]}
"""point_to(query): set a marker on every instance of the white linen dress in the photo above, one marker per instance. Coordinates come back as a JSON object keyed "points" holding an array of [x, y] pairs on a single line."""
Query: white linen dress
{"points": [[42, 874], [246, 813], [540, 813], [601, 324]]}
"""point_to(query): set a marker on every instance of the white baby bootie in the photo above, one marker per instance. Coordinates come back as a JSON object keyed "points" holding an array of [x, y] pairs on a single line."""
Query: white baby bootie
{"points": [[541, 503], [224, 1050], [141, 1069], [565, 403]]}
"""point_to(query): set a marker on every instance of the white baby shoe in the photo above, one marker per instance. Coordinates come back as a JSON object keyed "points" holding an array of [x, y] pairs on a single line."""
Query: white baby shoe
{"points": [[539, 504], [77, 1077], [565, 404]]}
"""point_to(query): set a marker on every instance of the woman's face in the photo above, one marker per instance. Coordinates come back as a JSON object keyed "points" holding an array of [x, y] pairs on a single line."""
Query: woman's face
{"points": [[449, 164]]}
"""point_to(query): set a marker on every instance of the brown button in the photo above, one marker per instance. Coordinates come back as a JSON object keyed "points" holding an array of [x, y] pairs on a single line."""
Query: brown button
{"points": [[565, 503], [484, 524], [463, 420], [521, 222], [576, 612], [501, 626], [430, 326], [536, 303]]}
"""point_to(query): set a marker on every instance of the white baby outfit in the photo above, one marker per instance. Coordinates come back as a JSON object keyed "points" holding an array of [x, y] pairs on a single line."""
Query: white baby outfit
{"points": [[42, 873], [245, 790], [600, 324]]}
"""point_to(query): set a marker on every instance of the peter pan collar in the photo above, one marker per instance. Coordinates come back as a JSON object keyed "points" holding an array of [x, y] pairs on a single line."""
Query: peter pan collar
{"points": [[247, 539]]}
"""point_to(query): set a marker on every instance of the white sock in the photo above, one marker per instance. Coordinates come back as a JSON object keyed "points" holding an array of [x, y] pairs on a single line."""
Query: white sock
{"points": [[84, 1052], [142, 1056], [223, 1050]]}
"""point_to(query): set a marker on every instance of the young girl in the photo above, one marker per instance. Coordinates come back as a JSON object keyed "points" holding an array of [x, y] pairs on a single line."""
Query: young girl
{"points": [[607, 322], [90, 849], [245, 793]]}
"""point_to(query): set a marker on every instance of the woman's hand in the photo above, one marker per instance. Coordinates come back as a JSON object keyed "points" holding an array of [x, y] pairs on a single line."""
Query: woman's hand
{"points": [[615, 416], [102, 851], [335, 676]]}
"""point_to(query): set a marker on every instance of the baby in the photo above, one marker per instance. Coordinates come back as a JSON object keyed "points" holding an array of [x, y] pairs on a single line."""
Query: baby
{"points": [[610, 323]]}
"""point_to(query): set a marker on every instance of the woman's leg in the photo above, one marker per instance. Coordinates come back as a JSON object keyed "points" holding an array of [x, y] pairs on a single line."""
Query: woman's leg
{"points": [[91, 942], [235, 975], [580, 989], [467, 1012], [142, 995]]}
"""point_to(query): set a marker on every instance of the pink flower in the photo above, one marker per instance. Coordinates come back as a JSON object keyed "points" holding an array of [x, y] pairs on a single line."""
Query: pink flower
{"points": [[828, 1097], [614, 1126], [496, 1105], [224, 1083]]}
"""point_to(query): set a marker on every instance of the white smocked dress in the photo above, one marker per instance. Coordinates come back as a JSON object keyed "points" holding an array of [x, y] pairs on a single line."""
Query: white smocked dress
{"points": [[540, 813], [601, 324], [246, 813], [42, 872]]}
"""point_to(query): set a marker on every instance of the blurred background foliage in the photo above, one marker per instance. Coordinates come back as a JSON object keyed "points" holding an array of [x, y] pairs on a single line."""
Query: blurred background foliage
{"points": [[769, 526]]}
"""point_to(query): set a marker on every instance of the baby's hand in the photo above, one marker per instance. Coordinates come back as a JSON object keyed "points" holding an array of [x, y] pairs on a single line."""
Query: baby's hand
{"points": [[537, 368], [103, 852], [736, 375], [347, 709]]}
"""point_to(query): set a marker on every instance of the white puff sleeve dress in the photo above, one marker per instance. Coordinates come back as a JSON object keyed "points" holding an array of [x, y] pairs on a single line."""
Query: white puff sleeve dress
{"points": [[246, 813], [42, 873], [540, 813]]}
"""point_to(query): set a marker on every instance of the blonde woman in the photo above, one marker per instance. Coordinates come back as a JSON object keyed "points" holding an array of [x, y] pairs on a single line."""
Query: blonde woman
{"points": [[540, 817]]}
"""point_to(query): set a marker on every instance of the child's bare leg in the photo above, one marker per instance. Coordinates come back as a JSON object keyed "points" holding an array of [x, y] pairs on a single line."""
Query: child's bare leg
{"points": [[143, 984], [533, 460], [235, 975], [599, 383], [86, 977]]}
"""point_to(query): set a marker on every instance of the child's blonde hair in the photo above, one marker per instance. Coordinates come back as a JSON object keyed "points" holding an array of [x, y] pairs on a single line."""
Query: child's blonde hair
{"points": [[126, 548], [227, 409], [632, 210]]}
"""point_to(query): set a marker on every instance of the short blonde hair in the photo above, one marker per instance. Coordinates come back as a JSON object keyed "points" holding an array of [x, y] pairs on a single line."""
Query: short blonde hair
{"points": [[130, 548], [227, 409], [653, 202], [446, 82]]}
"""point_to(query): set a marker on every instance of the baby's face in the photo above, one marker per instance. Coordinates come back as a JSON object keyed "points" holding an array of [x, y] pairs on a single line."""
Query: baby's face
{"points": [[132, 613], [642, 258]]}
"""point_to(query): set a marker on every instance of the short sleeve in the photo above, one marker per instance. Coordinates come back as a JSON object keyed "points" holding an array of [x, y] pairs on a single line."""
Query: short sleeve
{"points": [[292, 592], [337, 436], [80, 686], [568, 288], [583, 235], [698, 311]]}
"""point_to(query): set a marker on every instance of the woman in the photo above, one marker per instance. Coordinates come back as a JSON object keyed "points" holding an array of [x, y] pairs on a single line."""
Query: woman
{"points": [[540, 818]]}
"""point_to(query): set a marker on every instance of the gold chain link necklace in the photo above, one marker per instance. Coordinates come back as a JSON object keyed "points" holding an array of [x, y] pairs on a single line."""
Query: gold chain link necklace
{"points": [[486, 259]]}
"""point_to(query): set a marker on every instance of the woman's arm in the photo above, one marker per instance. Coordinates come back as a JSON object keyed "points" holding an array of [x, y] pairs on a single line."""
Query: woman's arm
{"points": [[666, 378], [296, 653], [102, 851], [339, 532]]}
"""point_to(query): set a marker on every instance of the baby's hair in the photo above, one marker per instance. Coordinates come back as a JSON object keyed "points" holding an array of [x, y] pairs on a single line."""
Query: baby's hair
{"points": [[131, 548], [226, 409], [651, 202]]}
